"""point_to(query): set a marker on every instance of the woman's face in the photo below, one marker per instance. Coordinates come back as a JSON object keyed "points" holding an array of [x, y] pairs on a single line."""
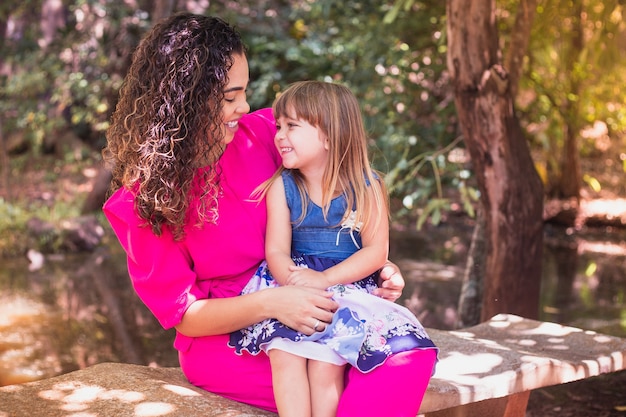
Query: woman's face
{"points": [[235, 104]]}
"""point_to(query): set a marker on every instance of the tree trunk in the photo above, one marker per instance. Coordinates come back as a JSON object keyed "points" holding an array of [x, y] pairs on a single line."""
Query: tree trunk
{"points": [[5, 168], [162, 9], [570, 179], [471, 296], [511, 191], [53, 19], [520, 37], [96, 198]]}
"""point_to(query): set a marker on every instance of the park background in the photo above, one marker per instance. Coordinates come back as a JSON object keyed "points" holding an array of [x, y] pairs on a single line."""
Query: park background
{"points": [[63, 286]]}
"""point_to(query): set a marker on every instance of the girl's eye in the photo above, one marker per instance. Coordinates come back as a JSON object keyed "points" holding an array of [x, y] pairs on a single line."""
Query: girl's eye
{"points": [[229, 100]]}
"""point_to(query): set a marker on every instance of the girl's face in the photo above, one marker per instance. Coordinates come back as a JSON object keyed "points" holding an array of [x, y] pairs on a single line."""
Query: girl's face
{"points": [[235, 104], [301, 145]]}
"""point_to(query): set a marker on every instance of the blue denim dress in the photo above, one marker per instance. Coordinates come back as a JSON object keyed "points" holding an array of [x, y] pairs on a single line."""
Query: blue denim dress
{"points": [[365, 329]]}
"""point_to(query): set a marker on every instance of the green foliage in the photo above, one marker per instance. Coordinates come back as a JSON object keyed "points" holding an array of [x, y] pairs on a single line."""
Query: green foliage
{"points": [[72, 82], [396, 69], [573, 75], [390, 53], [13, 220]]}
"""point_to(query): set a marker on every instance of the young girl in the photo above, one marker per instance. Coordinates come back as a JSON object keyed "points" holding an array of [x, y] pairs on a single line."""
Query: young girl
{"points": [[327, 227]]}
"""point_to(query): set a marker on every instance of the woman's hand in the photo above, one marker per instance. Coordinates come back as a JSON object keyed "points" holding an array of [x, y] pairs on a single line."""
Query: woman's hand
{"points": [[304, 309], [391, 282]]}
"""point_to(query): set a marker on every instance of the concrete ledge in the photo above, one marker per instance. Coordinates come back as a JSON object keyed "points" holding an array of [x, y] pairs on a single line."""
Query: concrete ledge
{"points": [[486, 370], [507, 357], [118, 390], [509, 354]]}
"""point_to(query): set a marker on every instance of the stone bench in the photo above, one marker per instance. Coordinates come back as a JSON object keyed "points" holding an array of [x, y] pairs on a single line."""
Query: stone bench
{"points": [[486, 370]]}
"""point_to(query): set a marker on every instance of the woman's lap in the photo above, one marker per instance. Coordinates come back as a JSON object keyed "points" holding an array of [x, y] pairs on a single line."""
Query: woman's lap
{"points": [[211, 364], [394, 389]]}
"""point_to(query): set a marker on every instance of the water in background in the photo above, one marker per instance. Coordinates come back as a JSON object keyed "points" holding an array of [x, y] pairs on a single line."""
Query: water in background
{"points": [[79, 310]]}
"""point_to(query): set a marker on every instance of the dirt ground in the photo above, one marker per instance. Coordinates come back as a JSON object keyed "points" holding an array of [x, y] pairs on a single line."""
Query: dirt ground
{"points": [[603, 396]]}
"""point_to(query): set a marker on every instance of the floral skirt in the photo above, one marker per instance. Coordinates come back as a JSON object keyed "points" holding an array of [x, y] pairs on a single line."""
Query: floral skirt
{"points": [[365, 330]]}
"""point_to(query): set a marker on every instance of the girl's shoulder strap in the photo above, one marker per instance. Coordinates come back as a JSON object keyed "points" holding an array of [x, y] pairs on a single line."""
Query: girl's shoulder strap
{"points": [[292, 194], [291, 188]]}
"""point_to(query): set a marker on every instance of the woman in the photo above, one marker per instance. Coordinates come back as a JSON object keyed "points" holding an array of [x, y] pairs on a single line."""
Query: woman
{"points": [[185, 157]]}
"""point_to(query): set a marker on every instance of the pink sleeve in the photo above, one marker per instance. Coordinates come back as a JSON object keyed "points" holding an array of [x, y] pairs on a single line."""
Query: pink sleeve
{"points": [[158, 267], [169, 275], [264, 128]]}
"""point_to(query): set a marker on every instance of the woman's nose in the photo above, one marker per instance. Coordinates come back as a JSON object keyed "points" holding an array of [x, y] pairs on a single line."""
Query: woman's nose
{"points": [[244, 107]]}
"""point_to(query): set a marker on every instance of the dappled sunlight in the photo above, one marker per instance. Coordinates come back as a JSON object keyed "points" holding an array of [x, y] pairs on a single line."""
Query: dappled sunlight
{"points": [[73, 396], [182, 391], [112, 389], [23, 355], [509, 355], [606, 248], [74, 312], [467, 368], [425, 271], [613, 208], [151, 409]]}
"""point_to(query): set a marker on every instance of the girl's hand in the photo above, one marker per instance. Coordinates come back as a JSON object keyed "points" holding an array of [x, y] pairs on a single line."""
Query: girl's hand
{"points": [[306, 277], [391, 282], [304, 309]]}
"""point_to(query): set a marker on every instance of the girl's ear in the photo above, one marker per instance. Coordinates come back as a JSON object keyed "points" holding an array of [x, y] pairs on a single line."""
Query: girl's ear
{"points": [[326, 143]]}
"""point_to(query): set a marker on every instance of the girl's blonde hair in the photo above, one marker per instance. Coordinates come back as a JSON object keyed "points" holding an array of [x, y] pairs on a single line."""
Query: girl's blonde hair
{"points": [[334, 110]]}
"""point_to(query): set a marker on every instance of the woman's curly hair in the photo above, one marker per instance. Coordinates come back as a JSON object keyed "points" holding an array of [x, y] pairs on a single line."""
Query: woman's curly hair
{"points": [[167, 123]]}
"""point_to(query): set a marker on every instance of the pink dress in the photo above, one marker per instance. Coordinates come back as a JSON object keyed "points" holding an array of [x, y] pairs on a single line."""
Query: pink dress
{"points": [[218, 261]]}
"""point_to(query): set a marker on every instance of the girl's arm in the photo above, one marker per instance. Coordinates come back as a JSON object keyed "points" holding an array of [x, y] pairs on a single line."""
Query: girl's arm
{"points": [[278, 232], [367, 260]]}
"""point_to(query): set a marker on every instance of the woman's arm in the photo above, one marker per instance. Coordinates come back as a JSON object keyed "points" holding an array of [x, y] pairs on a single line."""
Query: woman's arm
{"points": [[296, 307], [163, 279]]}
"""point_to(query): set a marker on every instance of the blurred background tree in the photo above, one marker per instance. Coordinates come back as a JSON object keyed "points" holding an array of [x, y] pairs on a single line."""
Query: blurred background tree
{"points": [[63, 61], [571, 98]]}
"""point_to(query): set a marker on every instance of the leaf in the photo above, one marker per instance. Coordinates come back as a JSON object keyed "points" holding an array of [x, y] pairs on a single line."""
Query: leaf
{"points": [[433, 210], [593, 182], [393, 13]]}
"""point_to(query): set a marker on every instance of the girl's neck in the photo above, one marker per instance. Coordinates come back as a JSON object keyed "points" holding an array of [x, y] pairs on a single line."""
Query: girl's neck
{"points": [[315, 190]]}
